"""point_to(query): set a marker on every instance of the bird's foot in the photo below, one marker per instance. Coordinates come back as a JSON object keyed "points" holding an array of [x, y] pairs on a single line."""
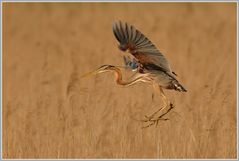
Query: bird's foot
{"points": [[155, 121], [153, 114]]}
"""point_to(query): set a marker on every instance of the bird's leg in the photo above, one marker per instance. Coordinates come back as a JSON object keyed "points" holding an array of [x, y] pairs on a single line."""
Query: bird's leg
{"points": [[154, 121], [166, 102], [153, 97], [159, 118], [164, 99], [168, 110]]}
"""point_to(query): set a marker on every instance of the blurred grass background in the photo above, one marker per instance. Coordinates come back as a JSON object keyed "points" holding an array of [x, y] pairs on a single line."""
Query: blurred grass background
{"points": [[49, 112]]}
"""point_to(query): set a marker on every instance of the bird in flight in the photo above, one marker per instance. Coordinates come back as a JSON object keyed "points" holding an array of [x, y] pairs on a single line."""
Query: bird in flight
{"points": [[149, 63]]}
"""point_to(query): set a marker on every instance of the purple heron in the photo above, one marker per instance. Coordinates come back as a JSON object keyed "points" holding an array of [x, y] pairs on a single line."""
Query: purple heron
{"points": [[150, 64]]}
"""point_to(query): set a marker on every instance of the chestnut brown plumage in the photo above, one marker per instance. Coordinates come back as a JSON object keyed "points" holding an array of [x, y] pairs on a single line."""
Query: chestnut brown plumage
{"points": [[152, 66]]}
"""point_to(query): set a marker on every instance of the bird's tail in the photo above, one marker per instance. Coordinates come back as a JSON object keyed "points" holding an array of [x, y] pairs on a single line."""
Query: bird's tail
{"points": [[178, 86]]}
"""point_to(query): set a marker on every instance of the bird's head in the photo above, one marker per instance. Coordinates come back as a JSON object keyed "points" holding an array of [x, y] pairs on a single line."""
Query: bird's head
{"points": [[102, 69]]}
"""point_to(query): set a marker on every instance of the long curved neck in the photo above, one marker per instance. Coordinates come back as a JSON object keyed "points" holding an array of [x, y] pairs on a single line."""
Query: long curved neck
{"points": [[119, 79]]}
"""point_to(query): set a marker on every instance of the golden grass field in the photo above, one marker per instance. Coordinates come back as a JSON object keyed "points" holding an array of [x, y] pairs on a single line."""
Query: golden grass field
{"points": [[50, 112]]}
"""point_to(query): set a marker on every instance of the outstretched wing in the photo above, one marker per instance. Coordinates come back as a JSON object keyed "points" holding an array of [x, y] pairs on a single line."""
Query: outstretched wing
{"points": [[139, 46]]}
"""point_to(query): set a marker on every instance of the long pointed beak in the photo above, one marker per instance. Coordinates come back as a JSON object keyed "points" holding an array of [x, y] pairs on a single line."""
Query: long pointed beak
{"points": [[121, 67], [90, 73]]}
